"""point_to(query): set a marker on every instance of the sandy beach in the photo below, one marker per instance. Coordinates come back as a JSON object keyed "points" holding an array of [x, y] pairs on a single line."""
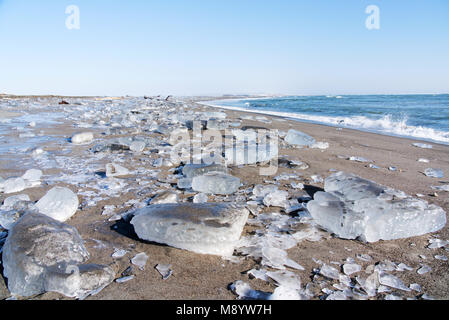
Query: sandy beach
{"points": [[208, 277]]}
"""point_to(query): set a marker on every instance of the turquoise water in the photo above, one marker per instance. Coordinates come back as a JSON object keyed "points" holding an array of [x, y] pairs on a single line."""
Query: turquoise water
{"points": [[424, 117]]}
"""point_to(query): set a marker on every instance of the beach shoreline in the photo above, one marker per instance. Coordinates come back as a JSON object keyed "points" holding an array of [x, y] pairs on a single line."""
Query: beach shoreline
{"points": [[208, 277]]}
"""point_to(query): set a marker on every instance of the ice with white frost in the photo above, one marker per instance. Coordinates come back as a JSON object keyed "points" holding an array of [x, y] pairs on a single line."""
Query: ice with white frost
{"points": [[208, 228], [116, 170], [300, 139], [216, 183], [59, 203], [353, 207], [434, 173], [82, 138], [42, 254]]}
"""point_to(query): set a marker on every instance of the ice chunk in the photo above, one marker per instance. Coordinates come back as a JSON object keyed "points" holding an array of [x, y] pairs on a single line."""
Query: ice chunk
{"points": [[137, 146], [424, 269], [298, 138], [286, 279], [42, 254], [320, 145], [392, 281], [286, 293], [434, 173], [119, 253], [164, 270], [209, 228], [216, 183], [32, 175], [11, 201], [125, 279], [441, 188], [13, 185], [260, 191], [423, 160], [359, 159], [59, 203], [350, 268], [259, 274], [116, 170], [194, 170], [140, 260], [353, 207], [82, 138], [329, 272], [200, 198], [277, 198], [251, 153], [415, 287], [244, 291], [185, 183], [165, 197]]}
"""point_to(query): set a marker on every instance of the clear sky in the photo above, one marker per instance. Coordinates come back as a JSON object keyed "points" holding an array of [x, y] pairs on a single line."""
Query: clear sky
{"points": [[195, 47]]}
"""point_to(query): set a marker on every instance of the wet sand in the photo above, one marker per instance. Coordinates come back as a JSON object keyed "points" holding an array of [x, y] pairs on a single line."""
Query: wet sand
{"points": [[207, 277]]}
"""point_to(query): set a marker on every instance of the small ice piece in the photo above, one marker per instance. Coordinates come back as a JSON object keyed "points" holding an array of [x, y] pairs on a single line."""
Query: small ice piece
{"points": [[11, 201], [424, 269], [423, 160], [317, 179], [364, 257], [359, 159], [373, 166], [286, 279], [165, 197], [393, 296], [353, 207], [259, 274], [119, 253], [437, 243], [393, 168], [370, 284], [403, 267], [297, 185], [164, 270], [441, 188], [415, 287], [392, 281], [260, 191], [41, 254], [208, 228], [137, 146], [32, 175], [244, 291], [13, 185], [125, 279], [320, 145], [337, 295], [441, 257], [351, 268], [434, 173], [286, 293], [200, 198], [423, 145], [329, 272], [140, 260], [59, 203], [82, 138], [298, 138], [216, 183], [277, 198], [116, 170]]}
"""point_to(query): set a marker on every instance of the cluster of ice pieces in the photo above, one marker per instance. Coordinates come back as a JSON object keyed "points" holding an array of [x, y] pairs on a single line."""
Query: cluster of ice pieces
{"points": [[30, 179], [353, 207]]}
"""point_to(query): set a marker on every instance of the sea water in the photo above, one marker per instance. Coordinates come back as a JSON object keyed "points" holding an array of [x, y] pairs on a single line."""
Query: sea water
{"points": [[424, 117]]}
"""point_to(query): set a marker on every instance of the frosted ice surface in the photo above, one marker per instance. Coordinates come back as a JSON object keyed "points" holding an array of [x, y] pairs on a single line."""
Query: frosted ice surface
{"points": [[82, 138], [260, 191], [137, 146], [59, 203], [10, 201], [276, 198], [244, 291], [286, 293], [165, 197], [441, 188], [423, 145], [353, 207], [13, 185], [351, 268], [116, 170], [42, 254], [164, 270], [298, 138], [32, 175], [209, 228], [200, 198], [140, 260], [392, 281], [329, 272], [434, 173], [216, 183]]}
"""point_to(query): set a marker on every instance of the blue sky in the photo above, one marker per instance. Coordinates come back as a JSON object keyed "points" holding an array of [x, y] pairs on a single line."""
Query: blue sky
{"points": [[207, 47]]}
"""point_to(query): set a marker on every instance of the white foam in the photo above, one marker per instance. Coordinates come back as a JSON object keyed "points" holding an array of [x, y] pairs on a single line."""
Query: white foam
{"points": [[385, 125]]}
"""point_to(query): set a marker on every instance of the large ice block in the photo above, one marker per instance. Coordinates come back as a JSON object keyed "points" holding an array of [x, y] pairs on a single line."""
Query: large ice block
{"points": [[209, 228], [353, 207], [59, 203], [298, 138], [41, 254]]}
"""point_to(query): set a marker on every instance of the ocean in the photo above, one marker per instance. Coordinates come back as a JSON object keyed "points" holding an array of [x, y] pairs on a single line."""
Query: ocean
{"points": [[423, 117]]}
